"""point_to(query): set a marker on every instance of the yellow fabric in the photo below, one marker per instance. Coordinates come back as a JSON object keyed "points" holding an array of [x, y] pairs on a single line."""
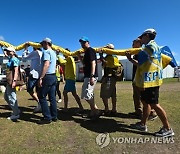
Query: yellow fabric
{"points": [[165, 60], [111, 51], [58, 75], [62, 61], [17, 48], [54, 47], [149, 74], [112, 61], [70, 67], [122, 52], [67, 53]]}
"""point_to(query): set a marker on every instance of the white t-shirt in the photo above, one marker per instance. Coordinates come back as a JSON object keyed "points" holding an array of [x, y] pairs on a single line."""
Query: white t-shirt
{"points": [[35, 57]]}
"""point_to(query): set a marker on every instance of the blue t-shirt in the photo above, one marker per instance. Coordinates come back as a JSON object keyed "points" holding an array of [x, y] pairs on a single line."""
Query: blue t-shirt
{"points": [[50, 56], [13, 62]]}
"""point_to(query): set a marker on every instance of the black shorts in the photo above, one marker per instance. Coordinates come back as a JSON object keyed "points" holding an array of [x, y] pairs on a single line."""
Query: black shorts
{"points": [[150, 95]]}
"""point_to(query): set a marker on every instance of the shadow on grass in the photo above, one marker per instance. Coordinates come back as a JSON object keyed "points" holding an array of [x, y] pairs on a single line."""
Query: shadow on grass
{"points": [[25, 115], [101, 125]]}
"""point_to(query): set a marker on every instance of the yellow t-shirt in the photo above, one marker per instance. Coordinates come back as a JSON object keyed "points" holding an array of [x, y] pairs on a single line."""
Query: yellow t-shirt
{"points": [[70, 67]]}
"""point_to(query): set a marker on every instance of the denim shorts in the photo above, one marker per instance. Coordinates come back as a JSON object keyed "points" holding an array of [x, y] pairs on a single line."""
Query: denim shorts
{"points": [[70, 86], [32, 82]]}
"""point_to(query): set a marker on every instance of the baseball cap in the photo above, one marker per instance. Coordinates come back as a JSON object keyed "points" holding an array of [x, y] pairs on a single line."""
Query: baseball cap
{"points": [[110, 46], [46, 40], [84, 39], [10, 49], [148, 31]]}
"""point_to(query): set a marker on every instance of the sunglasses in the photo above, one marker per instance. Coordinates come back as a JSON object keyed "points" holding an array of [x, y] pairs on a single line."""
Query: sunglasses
{"points": [[83, 42]]}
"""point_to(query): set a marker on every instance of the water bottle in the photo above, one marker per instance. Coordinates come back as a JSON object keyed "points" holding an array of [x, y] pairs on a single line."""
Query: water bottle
{"points": [[108, 82]]}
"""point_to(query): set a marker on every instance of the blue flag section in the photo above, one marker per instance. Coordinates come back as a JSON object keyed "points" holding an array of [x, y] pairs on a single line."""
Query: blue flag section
{"points": [[165, 50]]}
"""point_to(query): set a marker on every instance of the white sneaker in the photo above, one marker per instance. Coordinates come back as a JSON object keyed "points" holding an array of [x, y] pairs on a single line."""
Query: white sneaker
{"points": [[37, 109], [163, 132], [60, 100], [13, 117]]}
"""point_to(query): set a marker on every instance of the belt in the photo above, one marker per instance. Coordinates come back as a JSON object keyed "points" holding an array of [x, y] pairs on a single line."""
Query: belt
{"points": [[51, 74]]}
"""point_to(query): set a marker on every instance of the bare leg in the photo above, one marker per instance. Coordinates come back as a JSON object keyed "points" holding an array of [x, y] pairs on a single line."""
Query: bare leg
{"points": [[161, 114], [77, 100], [94, 109], [65, 99], [34, 96], [106, 107], [146, 112], [114, 100]]}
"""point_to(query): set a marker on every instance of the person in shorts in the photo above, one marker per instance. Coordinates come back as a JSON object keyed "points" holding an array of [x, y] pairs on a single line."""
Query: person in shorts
{"points": [[108, 85], [149, 79], [33, 73], [136, 91], [70, 81], [90, 76]]}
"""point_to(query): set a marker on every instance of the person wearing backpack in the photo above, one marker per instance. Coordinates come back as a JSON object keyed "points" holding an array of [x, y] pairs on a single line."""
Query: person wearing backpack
{"points": [[108, 85]]}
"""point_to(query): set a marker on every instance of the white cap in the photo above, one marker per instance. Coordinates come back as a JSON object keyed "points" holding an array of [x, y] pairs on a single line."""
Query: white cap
{"points": [[149, 31], [110, 46], [10, 49], [47, 40]]}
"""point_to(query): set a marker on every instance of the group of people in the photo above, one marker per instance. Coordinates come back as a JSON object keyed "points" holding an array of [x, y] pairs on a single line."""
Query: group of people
{"points": [[147, 80]]}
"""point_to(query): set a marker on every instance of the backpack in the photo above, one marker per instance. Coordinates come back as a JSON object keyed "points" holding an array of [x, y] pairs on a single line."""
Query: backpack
{"points": [[20, 80], [119, 73]]}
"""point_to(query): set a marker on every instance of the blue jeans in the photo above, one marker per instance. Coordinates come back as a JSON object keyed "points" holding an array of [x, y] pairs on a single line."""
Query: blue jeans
{"points": [[48, 88], [11, 99]]}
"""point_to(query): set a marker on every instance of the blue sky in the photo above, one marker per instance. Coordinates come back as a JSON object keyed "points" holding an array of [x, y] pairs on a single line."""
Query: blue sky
{"points": [[103, 21]]}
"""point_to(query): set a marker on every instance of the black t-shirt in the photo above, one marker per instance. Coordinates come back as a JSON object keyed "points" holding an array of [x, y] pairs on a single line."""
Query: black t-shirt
{"points": [[89, 56]]}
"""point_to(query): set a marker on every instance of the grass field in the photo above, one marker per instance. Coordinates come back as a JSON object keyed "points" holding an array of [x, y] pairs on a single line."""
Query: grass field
{"points": [[75, 134]]}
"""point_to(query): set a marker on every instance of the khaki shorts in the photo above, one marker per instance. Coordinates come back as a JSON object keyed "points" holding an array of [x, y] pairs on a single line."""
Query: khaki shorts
{"points": [[88, 90], [108, 91]]}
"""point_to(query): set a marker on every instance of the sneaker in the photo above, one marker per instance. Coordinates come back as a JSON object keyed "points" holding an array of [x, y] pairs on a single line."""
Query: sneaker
{"points": [[44, 121], [139, 126], [13, 117], [60, 100], [152, 117], [37, 109], [163, 132], [54, 119]]}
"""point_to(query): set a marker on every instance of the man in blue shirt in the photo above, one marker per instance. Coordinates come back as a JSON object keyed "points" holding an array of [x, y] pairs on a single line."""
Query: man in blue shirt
{"points": [[47, 83]]}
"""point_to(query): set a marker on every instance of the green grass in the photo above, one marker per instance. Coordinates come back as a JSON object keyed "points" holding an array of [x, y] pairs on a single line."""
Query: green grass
{"points": [[74, 134]]}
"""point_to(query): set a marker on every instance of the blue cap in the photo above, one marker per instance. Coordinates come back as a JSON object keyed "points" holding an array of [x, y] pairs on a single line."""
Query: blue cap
{"points": [[84, 39]]}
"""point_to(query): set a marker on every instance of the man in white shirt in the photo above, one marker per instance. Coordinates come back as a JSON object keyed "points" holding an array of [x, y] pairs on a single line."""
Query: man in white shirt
{"points": [[35, 58]]}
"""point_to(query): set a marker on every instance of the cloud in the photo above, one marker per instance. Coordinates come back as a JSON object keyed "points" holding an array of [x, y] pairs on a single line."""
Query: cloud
{"points": [[1, 38]]}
